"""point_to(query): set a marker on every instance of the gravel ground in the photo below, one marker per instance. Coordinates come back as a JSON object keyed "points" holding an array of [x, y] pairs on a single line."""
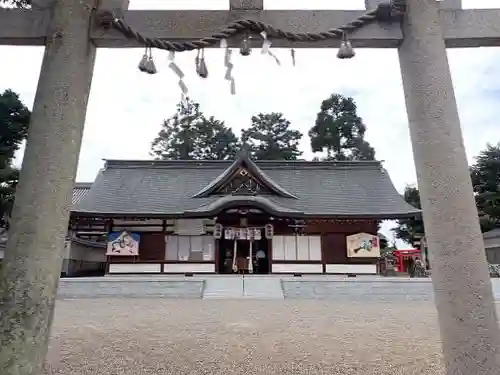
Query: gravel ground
{"points": [[160, 336]]}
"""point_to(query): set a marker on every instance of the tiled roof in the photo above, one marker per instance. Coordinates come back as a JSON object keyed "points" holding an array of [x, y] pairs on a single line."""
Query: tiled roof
{"points": [[492, 234], [79, 191], [322, 189]]}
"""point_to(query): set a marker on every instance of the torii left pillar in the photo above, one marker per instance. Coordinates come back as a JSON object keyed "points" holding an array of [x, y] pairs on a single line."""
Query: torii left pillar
{"points": [[33, 258]]}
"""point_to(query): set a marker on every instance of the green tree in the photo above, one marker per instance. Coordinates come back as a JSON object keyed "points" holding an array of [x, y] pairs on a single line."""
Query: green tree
{"points": [[485, 175], [339, 131], [14, 121], [383, 240], [270, 138], [190, 135], [410, 230]]}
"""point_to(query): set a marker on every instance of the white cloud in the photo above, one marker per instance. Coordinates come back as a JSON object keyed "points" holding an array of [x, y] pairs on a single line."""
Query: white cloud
{"points": [[127, 107]]}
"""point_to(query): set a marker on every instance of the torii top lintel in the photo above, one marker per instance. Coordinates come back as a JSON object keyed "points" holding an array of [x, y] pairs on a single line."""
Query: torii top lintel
{"points": [[461, 27]]}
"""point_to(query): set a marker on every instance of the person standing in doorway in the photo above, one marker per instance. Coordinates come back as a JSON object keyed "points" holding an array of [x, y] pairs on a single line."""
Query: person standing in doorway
{"points": [[260, 257]]}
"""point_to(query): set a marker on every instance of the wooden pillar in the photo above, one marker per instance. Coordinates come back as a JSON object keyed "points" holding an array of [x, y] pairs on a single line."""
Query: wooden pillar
{"points": [[270, 254], [463, 293], [109, 229]]}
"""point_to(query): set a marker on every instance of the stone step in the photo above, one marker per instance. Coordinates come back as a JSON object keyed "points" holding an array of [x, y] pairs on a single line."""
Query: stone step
{"points": [[101, 288], [223, 287], [255, 287], [263, 288], [361, 291]]}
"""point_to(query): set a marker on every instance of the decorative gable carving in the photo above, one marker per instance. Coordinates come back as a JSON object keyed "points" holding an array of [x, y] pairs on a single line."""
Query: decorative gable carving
{"points": [[242, 182], [243, 177]]}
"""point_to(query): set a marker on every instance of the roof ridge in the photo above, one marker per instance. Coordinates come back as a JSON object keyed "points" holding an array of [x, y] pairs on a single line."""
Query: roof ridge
{"points": [[83, 185], [126, 163]]}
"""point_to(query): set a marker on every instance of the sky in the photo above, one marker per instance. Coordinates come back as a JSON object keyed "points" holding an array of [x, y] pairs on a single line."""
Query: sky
{"points": [[128, 107]]}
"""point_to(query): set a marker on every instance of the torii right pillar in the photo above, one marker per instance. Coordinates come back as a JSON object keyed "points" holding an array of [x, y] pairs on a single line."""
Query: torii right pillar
{"points": [[462, 289]]}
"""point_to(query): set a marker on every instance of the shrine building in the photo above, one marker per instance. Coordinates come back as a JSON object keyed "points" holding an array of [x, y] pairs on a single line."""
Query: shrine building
{"points": [[199, 217]]}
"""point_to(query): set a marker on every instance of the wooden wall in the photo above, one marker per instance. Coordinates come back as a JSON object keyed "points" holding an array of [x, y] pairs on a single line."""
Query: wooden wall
{"points": [[334, 250], [340, 226], [152, 246], [334, 237], [152, 243]]}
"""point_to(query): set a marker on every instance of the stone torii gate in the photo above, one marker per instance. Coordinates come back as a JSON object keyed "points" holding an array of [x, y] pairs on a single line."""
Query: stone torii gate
{"points": [[71, 32]]}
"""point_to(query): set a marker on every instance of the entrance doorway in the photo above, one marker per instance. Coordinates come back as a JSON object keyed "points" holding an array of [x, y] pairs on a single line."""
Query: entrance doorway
{"points": [[234, 256], [261, 256]]}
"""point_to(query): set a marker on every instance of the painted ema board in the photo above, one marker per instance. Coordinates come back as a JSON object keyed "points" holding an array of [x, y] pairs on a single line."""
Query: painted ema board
{"points": [[123, 244], [363, 245]]}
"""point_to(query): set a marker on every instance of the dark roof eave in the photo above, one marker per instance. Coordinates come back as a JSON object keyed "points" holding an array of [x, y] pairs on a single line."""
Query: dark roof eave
{"points": [[83, 185], [372, 216], [93, 244]]}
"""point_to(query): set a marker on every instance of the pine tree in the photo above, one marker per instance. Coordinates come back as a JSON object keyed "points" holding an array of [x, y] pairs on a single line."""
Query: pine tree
{"points": [[189, 135], [14, 122], [270, 138], [411, 230], [485, 175], [339, 131]]}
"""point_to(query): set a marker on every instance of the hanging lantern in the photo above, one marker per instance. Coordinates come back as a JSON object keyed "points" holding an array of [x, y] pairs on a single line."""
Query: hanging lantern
{"points": [[345, 51], [257, 234], [269, 231], [229, 234], [218, 231], [245, 48]]}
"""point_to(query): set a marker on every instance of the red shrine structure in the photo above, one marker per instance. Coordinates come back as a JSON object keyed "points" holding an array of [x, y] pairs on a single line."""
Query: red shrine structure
{"points": [[404, 259]]}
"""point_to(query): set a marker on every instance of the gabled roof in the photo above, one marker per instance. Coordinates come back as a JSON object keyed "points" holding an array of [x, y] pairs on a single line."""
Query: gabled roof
{"points": [[179, 188], [243, 162]]}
